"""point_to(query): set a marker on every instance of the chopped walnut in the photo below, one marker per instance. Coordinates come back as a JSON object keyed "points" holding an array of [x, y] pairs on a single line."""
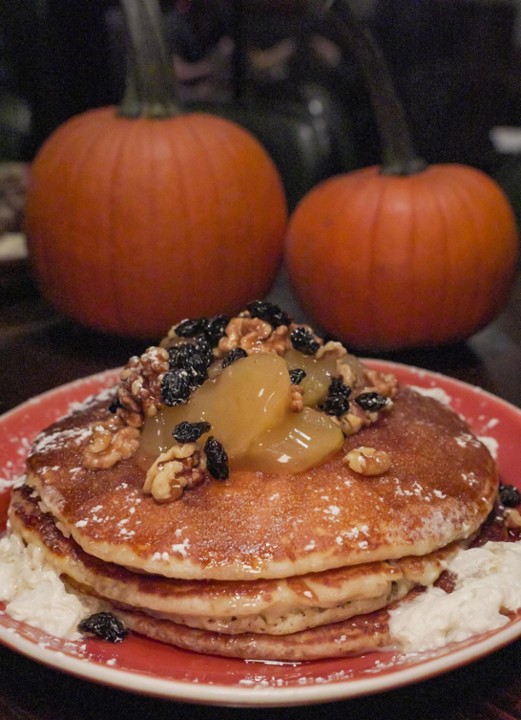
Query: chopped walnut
{"points": [[346, 372], [368, 461], [348, 367], [111, 442], [350, 423], [512, 518], [350, 370], [279, 340], [181, 466], [332, 347], [244, 332], [384, 383], [254, 335], [356, 417], [296, 401], [139, 388]]}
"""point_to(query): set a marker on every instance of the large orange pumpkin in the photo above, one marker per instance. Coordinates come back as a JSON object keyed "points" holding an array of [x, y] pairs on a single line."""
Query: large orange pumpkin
{"points": [[139, 217], [388, 262], [401, 255]]}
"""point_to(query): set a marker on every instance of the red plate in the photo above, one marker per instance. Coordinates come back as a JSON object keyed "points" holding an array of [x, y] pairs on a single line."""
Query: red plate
{"points": [[145, 666]]}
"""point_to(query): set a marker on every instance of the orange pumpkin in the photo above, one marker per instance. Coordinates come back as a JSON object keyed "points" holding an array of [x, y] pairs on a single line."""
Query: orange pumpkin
{"points": [[387, 262], [403, 255], [139, 217]]}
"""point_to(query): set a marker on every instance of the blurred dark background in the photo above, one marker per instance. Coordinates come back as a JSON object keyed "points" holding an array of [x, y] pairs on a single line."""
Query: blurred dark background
{"points": [[456, 65]]}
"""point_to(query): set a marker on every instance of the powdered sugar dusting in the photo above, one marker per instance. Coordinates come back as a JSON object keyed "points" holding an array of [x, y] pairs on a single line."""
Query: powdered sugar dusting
{"points": [[491, 444], [11, 479], [53, 440], [106, 395], [181, 548], [436, 393]]}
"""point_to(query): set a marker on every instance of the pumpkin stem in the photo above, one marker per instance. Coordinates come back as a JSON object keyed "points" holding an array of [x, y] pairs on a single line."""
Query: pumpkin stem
{"points": [[398, 154], [151, 88]]}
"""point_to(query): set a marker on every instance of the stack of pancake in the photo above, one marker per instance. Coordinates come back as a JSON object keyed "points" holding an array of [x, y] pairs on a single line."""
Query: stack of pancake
{"points": [[262, 566]]}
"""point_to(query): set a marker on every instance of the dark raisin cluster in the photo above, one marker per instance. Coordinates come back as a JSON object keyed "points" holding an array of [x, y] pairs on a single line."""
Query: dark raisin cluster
{"points": [[371, 401], [187, 432], [105, 626], [189, 361], [216, 459], [194, 357], [233, 356], [268, 312], [336, 401], [509, 495], [211, 329], [188, 368], [296, 375], [216, 328], [304, 341]]}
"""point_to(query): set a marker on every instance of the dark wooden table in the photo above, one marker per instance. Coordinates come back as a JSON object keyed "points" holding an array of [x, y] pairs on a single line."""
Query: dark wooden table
{"points": [[40, 350]]}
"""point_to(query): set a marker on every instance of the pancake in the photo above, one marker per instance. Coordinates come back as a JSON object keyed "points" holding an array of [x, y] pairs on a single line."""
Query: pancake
{"points": [[275, 607], [439, 489], [361, 634], [251, 490]]}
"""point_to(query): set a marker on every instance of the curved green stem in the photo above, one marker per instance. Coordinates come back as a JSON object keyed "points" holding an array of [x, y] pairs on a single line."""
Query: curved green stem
{"points": [[398, 154], [151, 87]]}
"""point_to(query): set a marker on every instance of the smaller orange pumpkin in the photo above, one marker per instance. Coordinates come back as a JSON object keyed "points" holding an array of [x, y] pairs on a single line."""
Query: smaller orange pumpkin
{"points": [[141, 216], [402, 255]]}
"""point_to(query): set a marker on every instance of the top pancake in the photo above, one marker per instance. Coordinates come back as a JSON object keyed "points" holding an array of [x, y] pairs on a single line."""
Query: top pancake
{"points": [[440, 487]]}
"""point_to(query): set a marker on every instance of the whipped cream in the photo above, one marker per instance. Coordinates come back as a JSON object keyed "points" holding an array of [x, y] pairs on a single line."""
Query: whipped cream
{"points": [[488, 584], [35, 594]]}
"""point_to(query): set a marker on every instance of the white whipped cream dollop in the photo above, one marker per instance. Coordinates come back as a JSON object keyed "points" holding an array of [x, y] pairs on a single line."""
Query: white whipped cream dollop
{"points": [[488, 584], [34, 593]]}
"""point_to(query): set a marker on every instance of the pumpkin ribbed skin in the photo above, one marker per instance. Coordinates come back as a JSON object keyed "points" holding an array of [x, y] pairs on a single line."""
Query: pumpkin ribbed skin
{"points": [[136, 223], [389, 262]]}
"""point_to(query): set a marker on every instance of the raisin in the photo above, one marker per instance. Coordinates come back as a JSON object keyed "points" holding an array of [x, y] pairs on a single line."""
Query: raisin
{"points": [[233, 355], [187, 432], [296, 375], [114, 405], [509, 495], [371, 401], [204, 349], [216, 459], [335, 405], [191, 327], [338, 387], [193, 358], [269, 312], [104, 625], [216, 328], [187, 356], [198, 371], [304, 341], [447, 581], [336, 401], [175, 388]]}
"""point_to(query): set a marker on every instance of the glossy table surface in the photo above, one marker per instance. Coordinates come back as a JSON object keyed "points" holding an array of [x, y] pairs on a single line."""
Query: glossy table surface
{"points": [[40, 350]]}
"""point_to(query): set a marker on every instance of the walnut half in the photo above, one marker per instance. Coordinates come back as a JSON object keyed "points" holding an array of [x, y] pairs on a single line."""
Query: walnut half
{"points": [[368, 461], [111, 441], [181, 466]]}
